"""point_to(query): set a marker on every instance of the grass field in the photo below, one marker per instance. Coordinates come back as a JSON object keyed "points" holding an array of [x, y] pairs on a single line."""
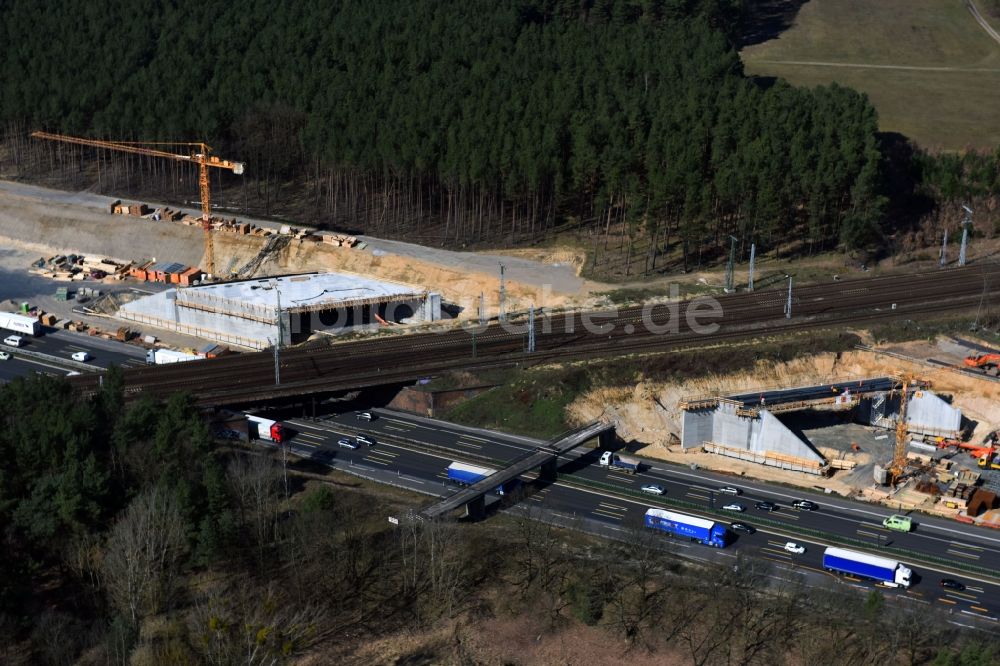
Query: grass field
{"points": [[929, 68]]}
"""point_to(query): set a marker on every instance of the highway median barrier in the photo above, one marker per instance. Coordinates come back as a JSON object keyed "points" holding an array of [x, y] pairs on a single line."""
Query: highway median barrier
{"points": [[54, 360]]}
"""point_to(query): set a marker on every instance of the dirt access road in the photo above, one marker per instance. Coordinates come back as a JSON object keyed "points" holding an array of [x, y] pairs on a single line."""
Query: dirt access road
{"points": [[982, 21]]}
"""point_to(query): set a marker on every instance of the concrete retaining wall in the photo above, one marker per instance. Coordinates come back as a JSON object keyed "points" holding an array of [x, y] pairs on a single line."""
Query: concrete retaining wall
{"points": [[432, 403], [725, 426]]}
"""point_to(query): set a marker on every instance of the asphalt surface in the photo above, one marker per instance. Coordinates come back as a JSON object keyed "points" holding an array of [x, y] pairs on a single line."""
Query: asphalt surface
{"points": [[420, 465], [61, 345], [806, 393]]}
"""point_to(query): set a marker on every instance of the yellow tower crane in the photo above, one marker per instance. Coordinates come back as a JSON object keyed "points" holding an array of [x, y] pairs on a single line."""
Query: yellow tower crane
{"points": [[199, 154], [898, 466]]}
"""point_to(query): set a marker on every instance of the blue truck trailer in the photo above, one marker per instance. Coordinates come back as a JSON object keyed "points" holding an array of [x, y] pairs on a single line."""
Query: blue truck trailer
{"points": [[882, 569], [702, 530], [465, 474]]}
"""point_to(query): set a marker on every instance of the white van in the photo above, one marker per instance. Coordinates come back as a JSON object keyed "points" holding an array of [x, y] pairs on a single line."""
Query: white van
{"points": [[12, 340]]}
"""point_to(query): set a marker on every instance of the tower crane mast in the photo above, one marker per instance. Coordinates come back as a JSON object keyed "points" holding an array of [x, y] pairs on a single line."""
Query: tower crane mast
{"points": [[199, 153], [898, 466]]}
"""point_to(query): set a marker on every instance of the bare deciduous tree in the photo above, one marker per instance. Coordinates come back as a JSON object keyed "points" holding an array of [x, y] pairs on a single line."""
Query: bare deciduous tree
{"points": [[537, 553], [256, 484], [638, 594], [257, 626], [432, 566], [143, 554]]}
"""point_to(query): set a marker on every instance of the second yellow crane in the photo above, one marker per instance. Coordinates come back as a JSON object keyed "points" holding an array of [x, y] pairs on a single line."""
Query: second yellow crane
{"points": [[200, 155]]}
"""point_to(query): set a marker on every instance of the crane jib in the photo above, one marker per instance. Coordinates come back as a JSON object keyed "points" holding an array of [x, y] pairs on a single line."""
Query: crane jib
{"points": [[203, 159]]}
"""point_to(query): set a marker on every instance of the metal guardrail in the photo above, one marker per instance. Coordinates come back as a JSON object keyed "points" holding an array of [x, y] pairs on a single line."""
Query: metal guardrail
{"points": [[56, 360]]}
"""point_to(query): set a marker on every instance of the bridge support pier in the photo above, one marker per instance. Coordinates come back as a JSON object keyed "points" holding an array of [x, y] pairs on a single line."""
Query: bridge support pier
{"points": [[606, 439], [476, 508], [547, 472]]}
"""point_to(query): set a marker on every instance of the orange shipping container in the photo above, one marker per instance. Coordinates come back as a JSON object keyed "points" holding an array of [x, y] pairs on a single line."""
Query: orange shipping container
{"points": [[190, 275]]}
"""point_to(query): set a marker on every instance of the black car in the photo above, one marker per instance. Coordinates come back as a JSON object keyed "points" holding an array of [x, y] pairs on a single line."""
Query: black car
{"points": [[766, 506], [742, 527], [805, 505], [951, 584]]}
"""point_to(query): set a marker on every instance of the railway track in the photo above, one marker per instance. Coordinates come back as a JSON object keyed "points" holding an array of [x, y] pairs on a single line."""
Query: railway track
{"points": [[358, 364]]}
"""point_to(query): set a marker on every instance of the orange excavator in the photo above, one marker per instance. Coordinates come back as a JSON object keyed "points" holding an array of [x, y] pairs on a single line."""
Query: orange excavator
{"points": [[989, 363]]}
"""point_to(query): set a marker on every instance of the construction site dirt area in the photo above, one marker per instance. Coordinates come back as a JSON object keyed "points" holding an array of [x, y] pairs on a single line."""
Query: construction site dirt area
{"points": [[48, 221], [648, 416]]}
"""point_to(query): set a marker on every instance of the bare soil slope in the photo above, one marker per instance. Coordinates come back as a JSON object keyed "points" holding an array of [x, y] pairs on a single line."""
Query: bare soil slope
{"points": [[648, 413]]}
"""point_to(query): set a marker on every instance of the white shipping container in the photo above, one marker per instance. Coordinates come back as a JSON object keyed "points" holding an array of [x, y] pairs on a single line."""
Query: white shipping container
{"points": [[20, 323], [162, 356]]}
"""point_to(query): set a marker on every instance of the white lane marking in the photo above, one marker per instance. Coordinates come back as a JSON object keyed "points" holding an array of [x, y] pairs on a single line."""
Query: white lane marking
{"points": [[306, 425], [979, 615], [919, 601], [601, 512]]}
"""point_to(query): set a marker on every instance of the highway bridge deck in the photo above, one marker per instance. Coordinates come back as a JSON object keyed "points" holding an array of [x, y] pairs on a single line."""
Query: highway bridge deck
{"points": [[547, 454]]}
